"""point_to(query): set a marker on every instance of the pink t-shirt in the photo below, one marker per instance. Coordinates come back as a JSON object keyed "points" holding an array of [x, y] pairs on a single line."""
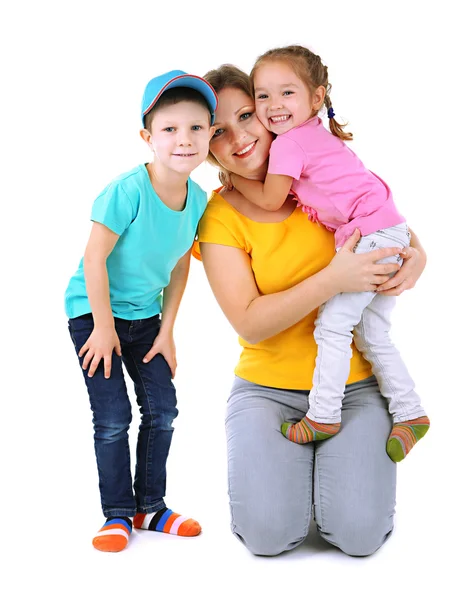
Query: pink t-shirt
{"points": [[331, 181]]}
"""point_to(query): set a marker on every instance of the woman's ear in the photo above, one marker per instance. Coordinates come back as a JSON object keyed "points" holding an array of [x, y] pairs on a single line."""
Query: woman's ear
{"points": [[318, 98]]}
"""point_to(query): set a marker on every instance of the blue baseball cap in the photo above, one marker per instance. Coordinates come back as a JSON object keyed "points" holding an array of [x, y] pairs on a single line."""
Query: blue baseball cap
{"points": [[173, 79]]}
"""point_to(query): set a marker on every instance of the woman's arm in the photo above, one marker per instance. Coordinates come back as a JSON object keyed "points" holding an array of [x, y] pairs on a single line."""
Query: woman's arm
{"points": [[257, 317], [270, 195], [412, 268]]}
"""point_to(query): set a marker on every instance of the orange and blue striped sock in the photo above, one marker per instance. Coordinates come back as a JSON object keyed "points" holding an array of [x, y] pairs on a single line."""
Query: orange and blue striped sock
{"points": [[309, 431], [404, 436], [167, 521], [114, 535]]}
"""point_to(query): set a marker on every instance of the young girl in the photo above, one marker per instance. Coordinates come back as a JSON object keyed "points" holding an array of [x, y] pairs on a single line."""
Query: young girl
{"points": [[335, 188]]}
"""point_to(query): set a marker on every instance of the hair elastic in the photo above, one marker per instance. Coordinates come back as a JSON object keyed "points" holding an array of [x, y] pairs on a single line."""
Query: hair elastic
{"points": [[330, 113]]}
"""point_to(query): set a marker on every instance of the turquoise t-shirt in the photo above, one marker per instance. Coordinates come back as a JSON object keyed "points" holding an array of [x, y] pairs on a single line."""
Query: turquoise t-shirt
{"points": [[153, 238]]}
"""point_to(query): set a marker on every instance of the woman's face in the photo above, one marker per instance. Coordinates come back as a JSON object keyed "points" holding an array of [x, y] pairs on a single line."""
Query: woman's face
{"points": [[240, 143]]}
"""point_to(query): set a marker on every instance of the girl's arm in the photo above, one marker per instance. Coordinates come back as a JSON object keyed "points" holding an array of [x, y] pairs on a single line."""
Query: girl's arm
{"points": [[270, 195], [172, 296], [257, 317], [412, 268], [103, 339]]}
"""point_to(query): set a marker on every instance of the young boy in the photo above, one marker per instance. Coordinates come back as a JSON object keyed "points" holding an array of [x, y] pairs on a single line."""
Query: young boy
{"points": [[123, 300]]}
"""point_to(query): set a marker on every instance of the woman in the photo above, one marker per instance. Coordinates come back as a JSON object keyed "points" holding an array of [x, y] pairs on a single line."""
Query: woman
{"points": [[269, 272]]}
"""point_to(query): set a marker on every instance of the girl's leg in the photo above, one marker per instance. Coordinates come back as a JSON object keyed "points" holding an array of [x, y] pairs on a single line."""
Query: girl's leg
{"points": [[333, 334], [372, 339], [369, 313], [354, 479], [396, 385], [270, 479]]}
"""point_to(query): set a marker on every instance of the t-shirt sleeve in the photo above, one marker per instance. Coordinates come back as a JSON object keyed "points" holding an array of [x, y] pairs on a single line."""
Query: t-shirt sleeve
{"points": [[113, 208], [218, 225], [286, 158]]}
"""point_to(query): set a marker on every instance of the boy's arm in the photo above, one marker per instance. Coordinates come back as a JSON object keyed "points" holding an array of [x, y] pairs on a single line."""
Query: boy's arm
{"points": [[270, 195], [103, 339], [173, 293]]}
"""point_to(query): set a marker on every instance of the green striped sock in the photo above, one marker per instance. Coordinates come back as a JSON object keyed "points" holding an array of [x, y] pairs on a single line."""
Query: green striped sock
{"points": [[404, 436], [309, 431]]}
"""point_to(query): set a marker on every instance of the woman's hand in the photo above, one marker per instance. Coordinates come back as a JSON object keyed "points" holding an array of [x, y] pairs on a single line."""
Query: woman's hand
{"points": [[100, 346], [360, 272], [408, 274]]}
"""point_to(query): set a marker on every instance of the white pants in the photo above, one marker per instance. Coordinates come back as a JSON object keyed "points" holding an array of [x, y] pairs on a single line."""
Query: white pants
{"points": [[366, 317]]}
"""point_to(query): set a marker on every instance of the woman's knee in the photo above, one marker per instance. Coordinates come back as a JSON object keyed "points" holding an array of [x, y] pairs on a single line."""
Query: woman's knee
{"points": [[359, 538], [268, 537], [268, 541]]}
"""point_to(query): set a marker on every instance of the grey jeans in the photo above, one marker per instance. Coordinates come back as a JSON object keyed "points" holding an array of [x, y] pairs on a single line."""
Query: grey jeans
{"points": [[366, 316], [348, 481]]}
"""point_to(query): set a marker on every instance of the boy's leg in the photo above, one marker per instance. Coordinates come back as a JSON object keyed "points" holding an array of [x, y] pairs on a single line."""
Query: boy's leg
{"points": [[157, 401], [111, 419]]}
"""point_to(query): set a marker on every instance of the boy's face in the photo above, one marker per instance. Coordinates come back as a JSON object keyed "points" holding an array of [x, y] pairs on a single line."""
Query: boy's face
{"points": [[179, 136]]}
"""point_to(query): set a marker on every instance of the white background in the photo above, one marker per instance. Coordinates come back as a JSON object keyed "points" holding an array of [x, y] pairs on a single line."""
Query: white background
{"points": [[72, 79]]}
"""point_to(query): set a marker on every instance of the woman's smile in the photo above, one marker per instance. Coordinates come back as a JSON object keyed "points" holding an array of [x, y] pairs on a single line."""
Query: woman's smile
{"points": [[246, 150]]}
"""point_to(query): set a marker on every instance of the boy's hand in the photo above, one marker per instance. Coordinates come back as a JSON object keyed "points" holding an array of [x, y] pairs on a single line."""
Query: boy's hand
{"points": [[100, 345], [164, 345]]}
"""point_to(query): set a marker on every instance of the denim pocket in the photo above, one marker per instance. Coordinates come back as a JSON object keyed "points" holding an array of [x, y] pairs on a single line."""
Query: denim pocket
{"points": [[82, 322], [80, 329]]}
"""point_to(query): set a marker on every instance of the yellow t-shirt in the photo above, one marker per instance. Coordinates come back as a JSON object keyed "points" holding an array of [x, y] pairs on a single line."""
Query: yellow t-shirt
{"points": [[282, 255]]}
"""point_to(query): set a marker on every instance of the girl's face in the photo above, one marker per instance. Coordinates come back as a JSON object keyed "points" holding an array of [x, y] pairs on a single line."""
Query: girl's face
{"points": [[240, 142], [282, 100]]}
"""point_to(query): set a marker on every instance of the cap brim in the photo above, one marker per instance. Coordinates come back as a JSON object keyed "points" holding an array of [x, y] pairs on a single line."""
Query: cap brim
{"points": [[194, 82]]}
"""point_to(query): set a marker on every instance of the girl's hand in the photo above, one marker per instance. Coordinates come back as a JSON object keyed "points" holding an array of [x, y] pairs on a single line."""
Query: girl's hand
{"points": [[408, 274], [225, 179], [100, 345], [164, 345], [359, 272]]}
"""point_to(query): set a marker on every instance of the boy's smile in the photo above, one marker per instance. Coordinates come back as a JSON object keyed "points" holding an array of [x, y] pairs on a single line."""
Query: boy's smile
{"points": [[180, 135]]}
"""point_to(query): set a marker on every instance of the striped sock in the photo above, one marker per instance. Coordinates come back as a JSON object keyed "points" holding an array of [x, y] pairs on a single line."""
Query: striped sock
{"points": [[167, 521], [309, 431], [404, 436], [114, 535]]}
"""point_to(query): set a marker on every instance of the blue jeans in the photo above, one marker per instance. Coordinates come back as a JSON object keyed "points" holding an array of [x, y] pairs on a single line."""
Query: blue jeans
{"points": [[112, 416]]}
